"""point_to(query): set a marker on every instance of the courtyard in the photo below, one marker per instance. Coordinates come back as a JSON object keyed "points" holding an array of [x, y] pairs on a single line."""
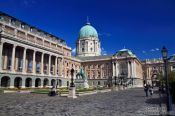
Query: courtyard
{"points": [[131, 102]]}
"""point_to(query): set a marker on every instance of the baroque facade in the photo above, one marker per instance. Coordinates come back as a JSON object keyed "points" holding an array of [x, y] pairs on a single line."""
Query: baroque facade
{"points": [[31, 57], [154, 67]]}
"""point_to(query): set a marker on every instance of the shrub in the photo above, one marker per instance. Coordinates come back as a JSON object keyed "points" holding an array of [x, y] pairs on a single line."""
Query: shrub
{"points": [[172, 85]]}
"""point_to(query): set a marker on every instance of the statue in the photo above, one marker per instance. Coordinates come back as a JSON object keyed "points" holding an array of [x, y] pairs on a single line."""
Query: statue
{"points": [[81, 79]]}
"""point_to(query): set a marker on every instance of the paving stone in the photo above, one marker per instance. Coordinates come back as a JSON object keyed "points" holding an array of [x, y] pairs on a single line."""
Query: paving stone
{"points": [[122, 103]]}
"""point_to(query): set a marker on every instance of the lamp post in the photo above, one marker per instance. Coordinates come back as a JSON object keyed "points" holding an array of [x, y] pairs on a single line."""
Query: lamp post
{"points": [[164, 56], [115, 80], [122, 77], [0, 36], [72, 78], [72, 89]]}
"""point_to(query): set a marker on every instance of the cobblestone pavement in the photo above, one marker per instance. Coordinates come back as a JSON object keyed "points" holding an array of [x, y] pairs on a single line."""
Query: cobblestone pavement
{"points": [[130, 102]]}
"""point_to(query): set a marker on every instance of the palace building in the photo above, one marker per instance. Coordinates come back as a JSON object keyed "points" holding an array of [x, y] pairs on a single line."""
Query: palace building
{"points": [[31, 57]]}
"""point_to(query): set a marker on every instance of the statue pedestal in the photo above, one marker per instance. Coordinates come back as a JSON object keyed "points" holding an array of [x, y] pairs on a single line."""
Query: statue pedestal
{"points": [[72, 92], [115, 88], [81, 83], [121, 87], [86, 85]]}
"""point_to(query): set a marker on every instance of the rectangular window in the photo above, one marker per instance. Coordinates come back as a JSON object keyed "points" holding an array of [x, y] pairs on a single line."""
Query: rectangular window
{"points": [[174, 67]]}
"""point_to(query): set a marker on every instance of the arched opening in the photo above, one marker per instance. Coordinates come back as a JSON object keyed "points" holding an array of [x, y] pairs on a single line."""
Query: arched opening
{"points": [[98, 82], [5, 81], [37, 82], [46, 82], [67, 83], [18, 82], [53, 82], [28, 82], [59, 83]]}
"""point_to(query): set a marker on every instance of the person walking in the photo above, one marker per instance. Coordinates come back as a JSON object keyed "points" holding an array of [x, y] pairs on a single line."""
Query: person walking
{"points": [[146, 89], [151, 90]]}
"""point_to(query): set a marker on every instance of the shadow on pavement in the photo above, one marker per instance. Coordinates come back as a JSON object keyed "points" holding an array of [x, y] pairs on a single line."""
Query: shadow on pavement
{"points": [[156, 98]]}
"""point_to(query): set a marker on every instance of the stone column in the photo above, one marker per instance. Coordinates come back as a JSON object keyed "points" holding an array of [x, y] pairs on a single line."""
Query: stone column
{"points": [[79, 49], [34, 63], [132, 65], [135, 73], [116, 69], [42, 83], [94, 46], [23, 82], [5, 61], [1, 49], [132, 69], [24, 61], [12, 82], [61, 66], [42, 63], [113, 69], [49, 64], [33, 83], [128, 70], [56, 65], [13, 58]]}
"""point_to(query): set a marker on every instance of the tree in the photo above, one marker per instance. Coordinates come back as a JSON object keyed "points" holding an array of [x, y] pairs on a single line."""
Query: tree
{"points": [[171, 76]]}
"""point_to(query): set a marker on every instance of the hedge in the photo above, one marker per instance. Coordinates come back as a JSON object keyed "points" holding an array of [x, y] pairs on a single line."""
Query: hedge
{"points": [[172, 85]]}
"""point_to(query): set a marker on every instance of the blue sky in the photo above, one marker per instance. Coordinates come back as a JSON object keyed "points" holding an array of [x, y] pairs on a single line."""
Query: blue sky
{"points": [[143, 26]]}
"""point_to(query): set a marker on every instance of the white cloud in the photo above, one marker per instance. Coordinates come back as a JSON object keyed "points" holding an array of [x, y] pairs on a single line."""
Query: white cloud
{"points": [[103, 52], [28, 2], [73, 51], [152, 50], [105, 34], [144, 52], [157, 49]]}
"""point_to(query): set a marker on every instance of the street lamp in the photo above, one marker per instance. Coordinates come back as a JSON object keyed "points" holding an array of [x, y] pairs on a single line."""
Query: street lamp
{"points": [[122, 77], [115, 80], [72, 78], [164, 56], [0, 36]]}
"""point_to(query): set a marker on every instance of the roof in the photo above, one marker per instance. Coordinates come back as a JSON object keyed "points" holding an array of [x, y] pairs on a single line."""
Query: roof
{"points": [[122, 51], [39, 30], [172, 58], [87, 31]]}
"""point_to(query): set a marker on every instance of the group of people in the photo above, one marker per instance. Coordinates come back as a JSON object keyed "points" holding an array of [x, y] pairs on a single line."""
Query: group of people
{"points": [[148, 89]]}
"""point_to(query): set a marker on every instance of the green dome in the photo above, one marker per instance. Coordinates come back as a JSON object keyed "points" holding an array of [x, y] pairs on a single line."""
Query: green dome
{"points": [[120, 52], [87, 31]]}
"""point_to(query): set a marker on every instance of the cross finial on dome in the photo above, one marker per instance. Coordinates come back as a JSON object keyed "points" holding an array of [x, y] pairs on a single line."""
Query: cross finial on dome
{"points": [[87, 20]]}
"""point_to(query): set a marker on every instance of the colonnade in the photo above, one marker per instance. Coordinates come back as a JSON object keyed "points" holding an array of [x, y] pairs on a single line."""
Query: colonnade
{"points": [[49, 64]]}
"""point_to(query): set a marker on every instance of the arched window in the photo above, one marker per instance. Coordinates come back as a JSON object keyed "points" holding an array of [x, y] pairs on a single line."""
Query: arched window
{"points": [[91, 49], [82, 49]]}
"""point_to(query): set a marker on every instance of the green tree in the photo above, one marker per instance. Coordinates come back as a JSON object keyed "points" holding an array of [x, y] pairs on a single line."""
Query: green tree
{"points": [[171, 76]]}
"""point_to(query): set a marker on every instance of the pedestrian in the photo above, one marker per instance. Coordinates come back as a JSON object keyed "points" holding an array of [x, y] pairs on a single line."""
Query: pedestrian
{"points": [[53, 91], [146, 90], [151, 91]]}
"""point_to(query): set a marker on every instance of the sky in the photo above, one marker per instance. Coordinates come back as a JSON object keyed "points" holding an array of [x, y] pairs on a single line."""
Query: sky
{"points": [[143, 26]]}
